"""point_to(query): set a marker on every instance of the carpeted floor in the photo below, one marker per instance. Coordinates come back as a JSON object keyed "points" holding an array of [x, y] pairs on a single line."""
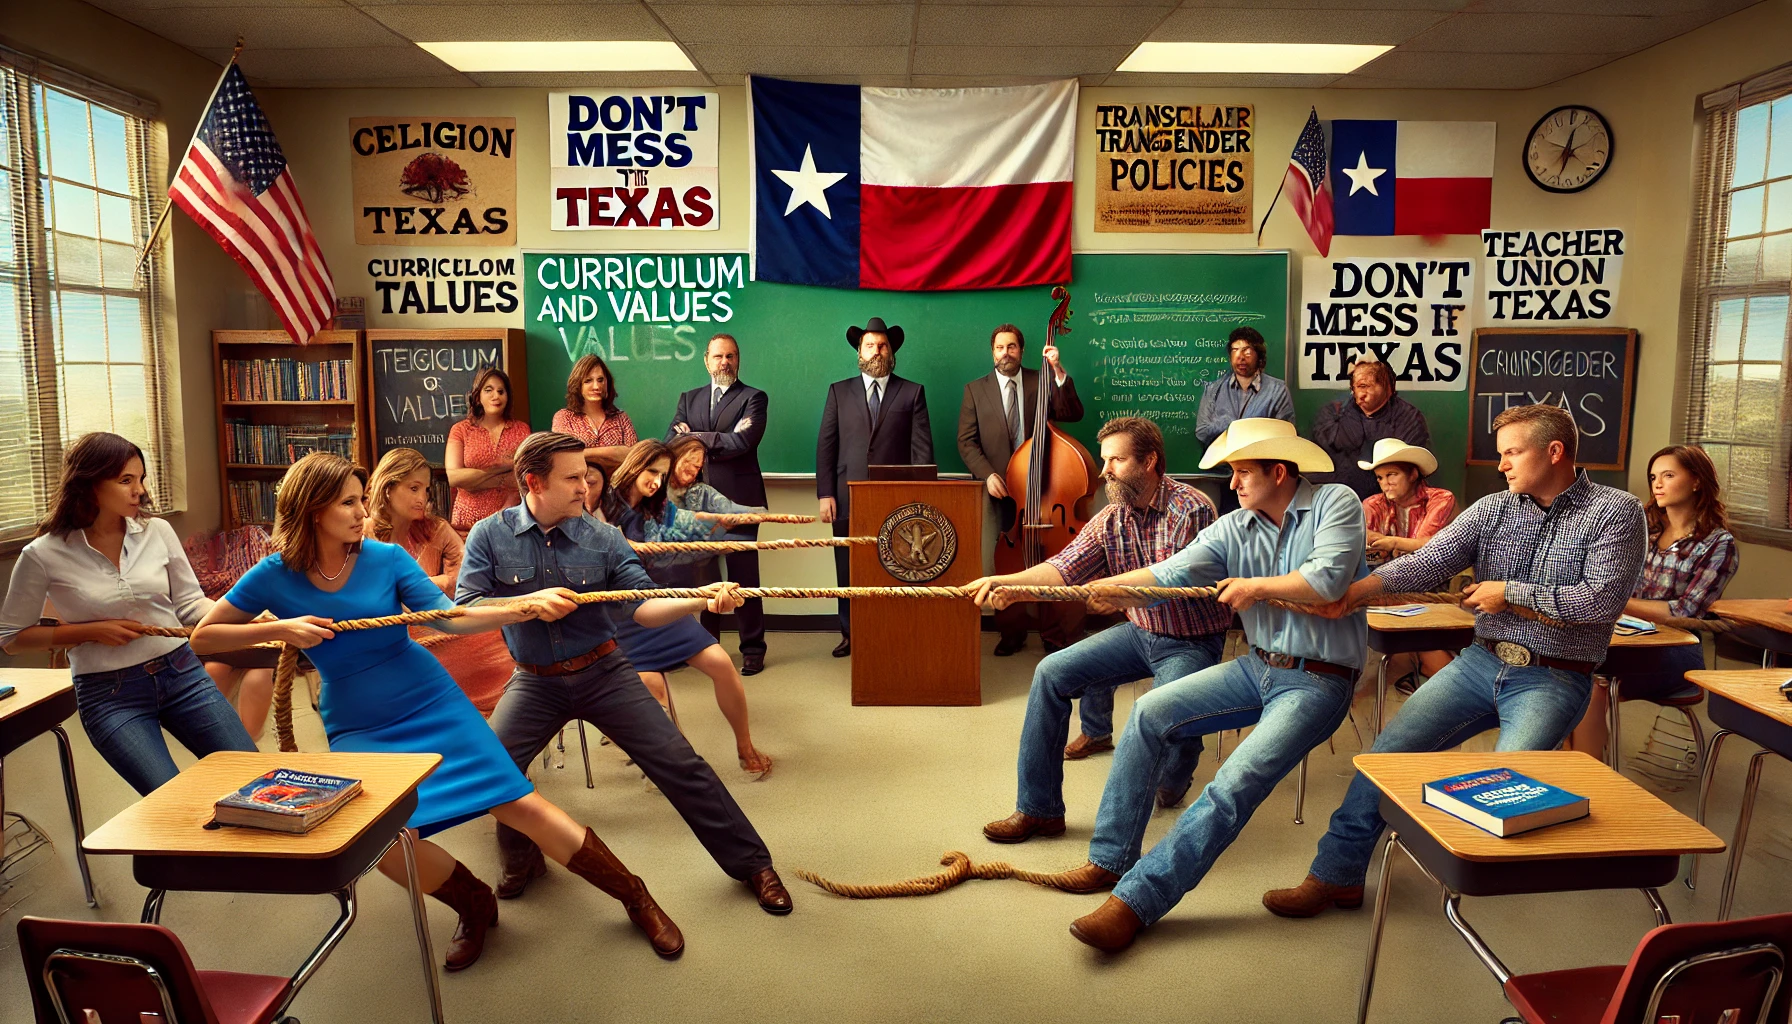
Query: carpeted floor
{"points": [[872, 795]]}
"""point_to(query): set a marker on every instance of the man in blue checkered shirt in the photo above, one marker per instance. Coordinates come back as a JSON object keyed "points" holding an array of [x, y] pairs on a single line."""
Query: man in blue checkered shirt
{"points": [[1556, 543]]}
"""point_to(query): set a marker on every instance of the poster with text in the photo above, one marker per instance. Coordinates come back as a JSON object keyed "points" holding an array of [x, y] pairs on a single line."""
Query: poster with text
{"points": [[1552, 278], [1409, 313], [1174, 167], [633, 158], [434, 180]]}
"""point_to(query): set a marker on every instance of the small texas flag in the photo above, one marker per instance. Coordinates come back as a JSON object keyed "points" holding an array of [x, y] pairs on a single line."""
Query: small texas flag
{"points": [[1412, 177]]}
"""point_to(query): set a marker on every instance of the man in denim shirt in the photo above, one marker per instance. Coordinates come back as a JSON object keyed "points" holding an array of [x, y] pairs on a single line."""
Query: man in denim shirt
{"points": [[1290, 540], [570, 668], [1553, 542]]}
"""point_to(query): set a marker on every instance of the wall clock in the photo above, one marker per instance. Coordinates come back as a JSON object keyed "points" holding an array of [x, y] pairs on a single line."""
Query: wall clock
{"points": [[1568, 149]]}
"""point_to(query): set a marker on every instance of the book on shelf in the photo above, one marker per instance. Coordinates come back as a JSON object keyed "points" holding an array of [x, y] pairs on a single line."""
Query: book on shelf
{"points": [[252, 501], [1504, 802], [273, 444], [286, 800], [287, 380]]}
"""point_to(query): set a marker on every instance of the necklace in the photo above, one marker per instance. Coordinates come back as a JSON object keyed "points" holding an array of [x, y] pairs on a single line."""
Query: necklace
{"points": [[339, 572]]}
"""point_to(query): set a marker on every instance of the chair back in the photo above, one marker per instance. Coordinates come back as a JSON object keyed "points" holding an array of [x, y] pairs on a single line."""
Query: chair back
{"points": [[82, 971], [1730, 971]]}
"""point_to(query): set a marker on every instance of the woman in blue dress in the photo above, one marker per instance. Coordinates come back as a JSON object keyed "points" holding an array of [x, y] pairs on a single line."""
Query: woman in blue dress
{"points": [[383, 692], [635, 502]]}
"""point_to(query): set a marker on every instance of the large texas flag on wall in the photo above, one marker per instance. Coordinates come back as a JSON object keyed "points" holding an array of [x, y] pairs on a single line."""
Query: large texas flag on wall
{"points": [[912, 189], [1412, 177]]}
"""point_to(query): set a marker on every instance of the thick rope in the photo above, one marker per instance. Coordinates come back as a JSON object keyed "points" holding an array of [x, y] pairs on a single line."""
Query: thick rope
{"points": [[750, 518], [658, 547], [958, 868]]}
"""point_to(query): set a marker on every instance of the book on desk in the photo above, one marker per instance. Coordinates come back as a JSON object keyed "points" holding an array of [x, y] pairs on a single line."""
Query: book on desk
{"points": [[286, 800], [1504, 802]]}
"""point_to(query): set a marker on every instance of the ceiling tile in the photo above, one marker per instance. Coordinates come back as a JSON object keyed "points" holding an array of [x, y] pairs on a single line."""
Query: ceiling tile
{"points": [[1255, 25], [520, 21], [1399, 70], [1058, 62], [1124, 79], [124, 8], [489, 3], [1550, 33], [882, 24], [1345, 5], [284, 28], [800, 61], [327, 64], [1708, 8], [583, 79], [1033, 25]]}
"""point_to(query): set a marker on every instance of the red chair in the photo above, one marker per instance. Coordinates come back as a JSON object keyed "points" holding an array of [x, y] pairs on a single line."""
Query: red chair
{"points": [[1728, 971], [86, 971]]}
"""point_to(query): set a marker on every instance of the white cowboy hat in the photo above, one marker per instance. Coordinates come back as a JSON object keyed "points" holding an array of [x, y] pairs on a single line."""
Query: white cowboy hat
{"points": [[1261, 438], [1392, 449]]}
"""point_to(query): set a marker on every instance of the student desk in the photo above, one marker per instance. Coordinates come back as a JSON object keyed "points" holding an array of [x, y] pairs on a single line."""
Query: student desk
{"points": [[1749, 704], [170, 847], [1627, 655], [45, 699], [1440, 627], [1630, 840], [1764, 623]]}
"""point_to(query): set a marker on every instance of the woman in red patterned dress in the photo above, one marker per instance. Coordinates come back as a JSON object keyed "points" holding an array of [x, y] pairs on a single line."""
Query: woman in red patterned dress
{"points": [[480, 449], [591, 414]]}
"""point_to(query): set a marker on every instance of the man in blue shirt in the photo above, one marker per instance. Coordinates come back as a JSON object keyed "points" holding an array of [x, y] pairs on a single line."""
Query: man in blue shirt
{"points": [[570, 668], [1245, 393], [1290, 541], [1553, 542]]}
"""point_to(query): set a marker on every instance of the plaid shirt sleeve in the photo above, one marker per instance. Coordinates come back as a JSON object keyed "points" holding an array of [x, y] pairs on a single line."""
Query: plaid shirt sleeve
{"points": [[1085, 558], [1440, 508], [1709, 577], [1450, 551]]}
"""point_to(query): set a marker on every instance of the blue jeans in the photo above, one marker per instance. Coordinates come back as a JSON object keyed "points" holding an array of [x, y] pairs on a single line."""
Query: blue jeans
{"points": [[1090, 670], [1533, 707], [125, 711], [1299, 709]]}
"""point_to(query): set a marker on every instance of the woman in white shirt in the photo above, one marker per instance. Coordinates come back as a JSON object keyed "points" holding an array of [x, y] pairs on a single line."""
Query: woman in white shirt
{"points": [[110, 569]]}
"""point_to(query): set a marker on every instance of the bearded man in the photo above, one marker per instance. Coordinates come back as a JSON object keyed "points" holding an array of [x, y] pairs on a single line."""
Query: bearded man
{"points": [[1149, 517], [874, 418]]}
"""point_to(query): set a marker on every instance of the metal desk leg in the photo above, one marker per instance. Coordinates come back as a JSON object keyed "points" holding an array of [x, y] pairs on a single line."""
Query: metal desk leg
{"points": [[1661, 910], [1300, 791], [1381, 913], [1614, 723], [1717, 743], [585, 752], [1728, 894], [1381, 695], [421, 918], [345, 898], [73, 793], [152, 906], [1453, 911]]}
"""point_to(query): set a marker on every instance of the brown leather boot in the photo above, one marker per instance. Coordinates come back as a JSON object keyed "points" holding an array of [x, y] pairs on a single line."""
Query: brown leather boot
{"points": [[521, 860], [472, 900], [1111, 928], [596, 864], [1086, 879], [1311, 897], [1018, 828]]}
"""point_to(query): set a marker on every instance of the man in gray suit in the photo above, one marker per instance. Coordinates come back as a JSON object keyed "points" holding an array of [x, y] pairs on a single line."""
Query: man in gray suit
{"points": [[873, 418], [995, 419]]}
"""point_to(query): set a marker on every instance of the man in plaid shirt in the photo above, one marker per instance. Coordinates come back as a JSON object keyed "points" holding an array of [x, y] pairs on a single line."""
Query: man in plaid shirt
{"points": [[1555, 543], [1148, 518]]}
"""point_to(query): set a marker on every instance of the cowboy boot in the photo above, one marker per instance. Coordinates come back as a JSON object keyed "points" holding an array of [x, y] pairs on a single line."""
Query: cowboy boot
{"points": [[472, 900], [596, 864], [521, 861]]}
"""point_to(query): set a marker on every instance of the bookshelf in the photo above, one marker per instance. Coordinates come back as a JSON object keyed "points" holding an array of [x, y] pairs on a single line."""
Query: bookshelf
{"points": [[274, 397]]}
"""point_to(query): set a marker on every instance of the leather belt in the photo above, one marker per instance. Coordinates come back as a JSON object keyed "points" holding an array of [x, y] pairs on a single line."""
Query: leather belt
{"points": [[571, 665], [1305, 664], [1519, 656]]}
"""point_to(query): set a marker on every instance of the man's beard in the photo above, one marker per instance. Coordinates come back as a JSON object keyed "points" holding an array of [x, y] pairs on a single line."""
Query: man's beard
{"points": [[1122, 490], [877, 366], [723, 379], [1008, 365]]}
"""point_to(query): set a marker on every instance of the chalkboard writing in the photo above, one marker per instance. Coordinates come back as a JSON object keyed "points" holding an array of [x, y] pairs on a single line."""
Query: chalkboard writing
{"points": [[418, 387], [1589, 372]]}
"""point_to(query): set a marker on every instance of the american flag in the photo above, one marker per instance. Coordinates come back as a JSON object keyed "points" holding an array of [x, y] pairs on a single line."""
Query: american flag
{"points": [[1308, 186], [235, 183]]}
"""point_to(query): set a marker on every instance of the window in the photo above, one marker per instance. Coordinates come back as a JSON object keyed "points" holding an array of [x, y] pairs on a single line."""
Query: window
{"points": [[1739, 287], [83, 343]]}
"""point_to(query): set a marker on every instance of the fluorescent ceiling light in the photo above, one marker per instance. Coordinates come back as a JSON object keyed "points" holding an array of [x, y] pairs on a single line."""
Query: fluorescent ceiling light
{"points": [[1252, 58], [606, 55]]}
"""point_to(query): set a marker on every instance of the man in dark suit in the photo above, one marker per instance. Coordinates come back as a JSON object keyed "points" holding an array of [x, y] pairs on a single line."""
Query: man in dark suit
{"points": [[994, 420], [874, 418], [730, 419]]}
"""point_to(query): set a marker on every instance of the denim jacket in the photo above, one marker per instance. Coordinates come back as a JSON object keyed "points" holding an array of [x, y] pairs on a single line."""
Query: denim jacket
{"points": [[509, 554]]}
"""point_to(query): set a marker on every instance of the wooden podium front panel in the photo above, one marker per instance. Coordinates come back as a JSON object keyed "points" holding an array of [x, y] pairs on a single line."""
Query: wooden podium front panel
{"points": [[912, 651]]}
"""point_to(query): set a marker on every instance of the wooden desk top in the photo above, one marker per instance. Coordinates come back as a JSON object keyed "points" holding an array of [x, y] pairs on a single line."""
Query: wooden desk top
{"points": [[1625, 819], [1664, 636], [1769, 612], [35, 685], [171, 821], [1756, 688], [1436, 616]]}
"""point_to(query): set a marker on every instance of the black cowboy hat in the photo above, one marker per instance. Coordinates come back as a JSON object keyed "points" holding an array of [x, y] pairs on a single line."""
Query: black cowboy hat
{"points": [[875, 325]]}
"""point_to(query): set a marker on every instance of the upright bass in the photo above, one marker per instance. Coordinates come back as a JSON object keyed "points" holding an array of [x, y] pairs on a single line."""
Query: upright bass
{"points": [[1052, 480]]}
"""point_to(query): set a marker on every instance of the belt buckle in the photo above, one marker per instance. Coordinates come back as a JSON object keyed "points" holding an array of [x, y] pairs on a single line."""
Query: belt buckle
{"points": [[1513, 654], [1280, 660]]}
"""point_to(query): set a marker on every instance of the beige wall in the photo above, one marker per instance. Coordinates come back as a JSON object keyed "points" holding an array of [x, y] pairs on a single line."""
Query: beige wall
{"points": [[1649, 99]]}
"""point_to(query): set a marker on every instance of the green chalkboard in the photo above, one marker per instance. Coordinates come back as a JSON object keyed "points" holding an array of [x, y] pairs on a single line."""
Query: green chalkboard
{"points": [[1147, 330]]}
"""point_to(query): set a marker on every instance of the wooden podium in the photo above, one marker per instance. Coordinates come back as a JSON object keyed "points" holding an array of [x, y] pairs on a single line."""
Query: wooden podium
{"points": [[907, 651]]}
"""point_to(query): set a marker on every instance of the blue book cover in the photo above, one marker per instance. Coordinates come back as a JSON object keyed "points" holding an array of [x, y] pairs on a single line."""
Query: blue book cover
{"points": [[1505, 802], [286, 800]]}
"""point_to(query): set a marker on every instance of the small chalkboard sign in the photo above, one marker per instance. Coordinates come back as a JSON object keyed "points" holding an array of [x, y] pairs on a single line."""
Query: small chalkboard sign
{"points": [[1588, 371], [417, 383]]}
